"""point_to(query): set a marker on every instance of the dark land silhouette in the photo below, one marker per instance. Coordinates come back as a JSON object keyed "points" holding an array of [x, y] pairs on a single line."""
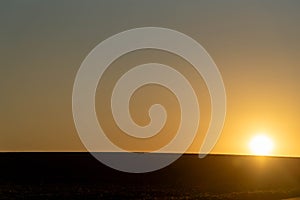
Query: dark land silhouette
{"points": [[81, 176]]}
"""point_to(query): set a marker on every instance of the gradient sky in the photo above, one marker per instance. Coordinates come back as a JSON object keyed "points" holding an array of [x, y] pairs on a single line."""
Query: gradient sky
{"points": [[255, 44]]}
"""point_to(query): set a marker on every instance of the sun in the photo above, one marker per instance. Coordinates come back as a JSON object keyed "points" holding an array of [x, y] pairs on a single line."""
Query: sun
{"points": [[261, 145]]}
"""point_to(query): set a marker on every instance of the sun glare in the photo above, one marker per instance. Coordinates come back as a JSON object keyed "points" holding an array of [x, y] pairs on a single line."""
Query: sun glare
{"points": [[261, 145]]}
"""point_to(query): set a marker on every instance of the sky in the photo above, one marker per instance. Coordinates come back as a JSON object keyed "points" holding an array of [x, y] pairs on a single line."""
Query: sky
{"points": [[255, 45]]}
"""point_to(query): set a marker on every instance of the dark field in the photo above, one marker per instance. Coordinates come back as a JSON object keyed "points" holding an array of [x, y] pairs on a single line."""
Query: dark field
{"points": [[80, 176]]}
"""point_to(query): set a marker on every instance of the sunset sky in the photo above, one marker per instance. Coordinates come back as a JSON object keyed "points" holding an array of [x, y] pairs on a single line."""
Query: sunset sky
{"points": [[255, 44]]}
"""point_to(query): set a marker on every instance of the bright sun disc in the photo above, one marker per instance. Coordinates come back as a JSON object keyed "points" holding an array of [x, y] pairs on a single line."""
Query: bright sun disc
{"points": [[261, 145]]}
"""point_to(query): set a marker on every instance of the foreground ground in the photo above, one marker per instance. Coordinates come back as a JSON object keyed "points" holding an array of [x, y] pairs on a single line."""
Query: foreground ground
{"points": [[80, 176]]}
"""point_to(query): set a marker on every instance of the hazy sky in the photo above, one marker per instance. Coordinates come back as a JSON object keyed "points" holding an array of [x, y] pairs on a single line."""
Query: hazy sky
{"points": [[255, 44]]}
